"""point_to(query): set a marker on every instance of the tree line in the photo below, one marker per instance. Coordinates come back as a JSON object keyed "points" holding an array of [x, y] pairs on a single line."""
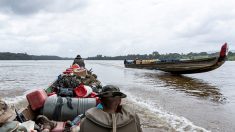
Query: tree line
{"points": [[153, 55], [25, 56], [156, 55]]}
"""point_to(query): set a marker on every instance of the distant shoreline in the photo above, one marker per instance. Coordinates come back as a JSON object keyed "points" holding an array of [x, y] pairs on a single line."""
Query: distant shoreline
{"points": [[25, 56], [171, 56], [154, 55]]}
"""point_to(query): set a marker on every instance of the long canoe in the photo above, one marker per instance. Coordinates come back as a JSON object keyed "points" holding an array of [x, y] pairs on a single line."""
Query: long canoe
{"points": [[184, 66]]}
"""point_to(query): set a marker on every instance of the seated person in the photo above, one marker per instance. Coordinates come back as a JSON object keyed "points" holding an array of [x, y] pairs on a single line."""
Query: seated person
{"points": [[78, 60], [111, 116]]}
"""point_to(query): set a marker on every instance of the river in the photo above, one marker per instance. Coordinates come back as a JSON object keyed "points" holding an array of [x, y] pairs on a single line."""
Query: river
{"points": [[165, 102]]}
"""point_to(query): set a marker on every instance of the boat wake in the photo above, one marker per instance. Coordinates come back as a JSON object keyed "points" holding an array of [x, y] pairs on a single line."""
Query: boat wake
{"points": [[171, 121]]}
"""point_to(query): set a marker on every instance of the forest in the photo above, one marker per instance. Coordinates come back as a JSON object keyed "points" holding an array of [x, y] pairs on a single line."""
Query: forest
{"points": [[156, 55], [25, 56]]}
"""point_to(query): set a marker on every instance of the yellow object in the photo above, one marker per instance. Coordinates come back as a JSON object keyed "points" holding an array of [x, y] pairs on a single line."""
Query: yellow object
{"points": [[148, 61], [80, 72], [138, 61]]}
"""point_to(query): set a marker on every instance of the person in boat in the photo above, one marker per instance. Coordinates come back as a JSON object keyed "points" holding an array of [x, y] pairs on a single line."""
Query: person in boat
{"points": [[134, 61], [110, 115], [125, 61], [78, 60]]}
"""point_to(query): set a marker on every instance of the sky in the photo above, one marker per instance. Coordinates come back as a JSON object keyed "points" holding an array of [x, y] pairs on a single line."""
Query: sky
{"points": [[115, 27]]}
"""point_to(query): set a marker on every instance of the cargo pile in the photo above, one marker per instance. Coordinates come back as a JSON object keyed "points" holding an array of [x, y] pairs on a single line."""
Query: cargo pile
{"points": [[76, 82], [61, 106]]}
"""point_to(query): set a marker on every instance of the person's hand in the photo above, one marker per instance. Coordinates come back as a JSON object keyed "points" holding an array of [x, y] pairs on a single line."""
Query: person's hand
{"points": [[75, 129], [45, 130]]}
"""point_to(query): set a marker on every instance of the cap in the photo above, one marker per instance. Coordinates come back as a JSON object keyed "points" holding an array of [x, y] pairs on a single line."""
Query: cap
{"points": [[111, 91]]}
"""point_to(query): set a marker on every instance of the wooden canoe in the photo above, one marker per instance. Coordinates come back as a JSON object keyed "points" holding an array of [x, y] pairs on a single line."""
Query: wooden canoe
{"points": [[185, 66]]}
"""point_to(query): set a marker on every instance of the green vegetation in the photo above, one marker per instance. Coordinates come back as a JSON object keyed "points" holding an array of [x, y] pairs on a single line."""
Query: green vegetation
{"points": [[156, 55], [24, 56], [231, 56]]}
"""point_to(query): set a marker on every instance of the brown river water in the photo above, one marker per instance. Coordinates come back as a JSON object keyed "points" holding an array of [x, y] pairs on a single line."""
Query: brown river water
{"points": [[165, 102]]}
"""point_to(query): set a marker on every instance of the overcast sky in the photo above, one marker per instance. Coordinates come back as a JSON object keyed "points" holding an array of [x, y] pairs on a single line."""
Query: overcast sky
{"points": [[115, 27]]}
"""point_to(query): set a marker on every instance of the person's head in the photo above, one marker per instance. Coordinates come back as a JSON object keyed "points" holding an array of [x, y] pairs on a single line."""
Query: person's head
{"points": [[5, 112], [111, 96], [78, 57]]}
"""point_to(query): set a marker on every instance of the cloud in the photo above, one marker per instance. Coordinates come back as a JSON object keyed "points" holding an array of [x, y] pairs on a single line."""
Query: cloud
{"points": [[115, 27], [25, 7]]}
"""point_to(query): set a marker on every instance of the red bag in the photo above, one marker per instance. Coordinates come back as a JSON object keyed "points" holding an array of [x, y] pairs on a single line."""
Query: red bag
{"points": [[92, 95], [83, 91], [75, 66], [36, 99]]}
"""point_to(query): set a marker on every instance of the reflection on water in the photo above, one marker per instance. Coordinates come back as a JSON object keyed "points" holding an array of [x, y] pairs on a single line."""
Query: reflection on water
{"points": [[191, 86]]}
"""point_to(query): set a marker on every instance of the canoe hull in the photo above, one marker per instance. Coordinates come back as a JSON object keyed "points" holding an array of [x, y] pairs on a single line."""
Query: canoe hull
{"points": [[185, 66]]}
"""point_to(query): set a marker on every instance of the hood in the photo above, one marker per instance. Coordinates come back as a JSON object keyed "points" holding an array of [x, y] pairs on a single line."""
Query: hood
{"points": [[99, 117]]}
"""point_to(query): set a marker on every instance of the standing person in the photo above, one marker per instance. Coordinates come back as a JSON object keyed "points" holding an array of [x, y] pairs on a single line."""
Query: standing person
{"points": [[78, 60], [111, 116]]}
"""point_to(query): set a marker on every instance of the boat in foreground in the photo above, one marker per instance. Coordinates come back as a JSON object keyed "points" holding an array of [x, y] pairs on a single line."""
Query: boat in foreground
{"points": [[182, 66], [65, 101]]}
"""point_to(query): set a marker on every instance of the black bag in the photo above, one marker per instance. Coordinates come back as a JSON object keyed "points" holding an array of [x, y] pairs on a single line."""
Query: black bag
{"points": [[65, 92]]}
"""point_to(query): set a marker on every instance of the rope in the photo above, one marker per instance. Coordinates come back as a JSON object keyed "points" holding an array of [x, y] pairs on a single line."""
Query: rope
{"points": [[114, 123], [57, 112], [69, 102]]}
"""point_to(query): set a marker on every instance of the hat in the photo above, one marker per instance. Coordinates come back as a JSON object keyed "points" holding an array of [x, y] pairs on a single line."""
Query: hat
{"points": [[78, 57], [5, 112], [111, 91]]}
